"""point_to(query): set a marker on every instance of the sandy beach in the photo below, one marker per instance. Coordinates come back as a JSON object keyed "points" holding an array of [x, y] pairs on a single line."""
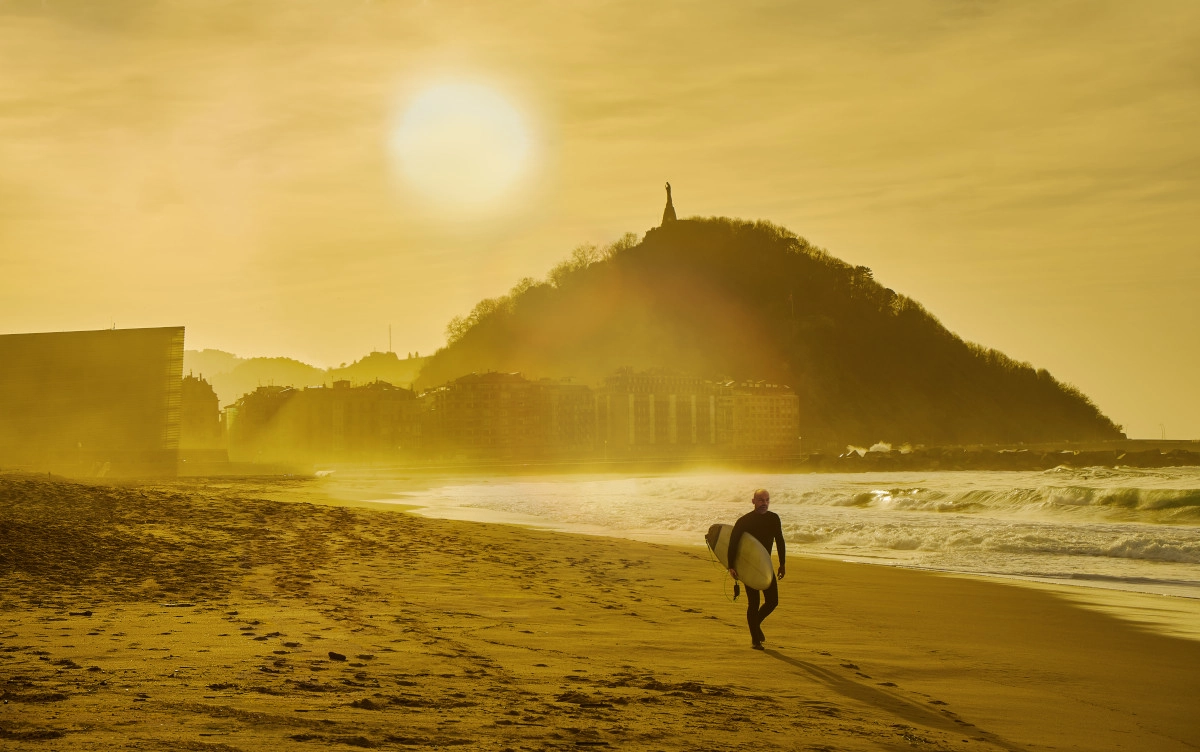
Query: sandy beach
{"points": [[267, 614]]}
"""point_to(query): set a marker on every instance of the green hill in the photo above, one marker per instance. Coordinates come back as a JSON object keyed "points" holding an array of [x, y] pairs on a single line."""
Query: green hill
{"points": [[231, 376], [380, 366], [247, 374], [723, 298]]}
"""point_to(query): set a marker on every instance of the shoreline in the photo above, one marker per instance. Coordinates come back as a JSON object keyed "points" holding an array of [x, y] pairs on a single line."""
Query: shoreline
{"points": [[1138, 454], [1171, 613], [214, 618]]}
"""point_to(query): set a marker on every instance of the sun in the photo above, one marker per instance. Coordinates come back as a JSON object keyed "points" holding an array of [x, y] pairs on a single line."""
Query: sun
{"points": [[462, 145]]}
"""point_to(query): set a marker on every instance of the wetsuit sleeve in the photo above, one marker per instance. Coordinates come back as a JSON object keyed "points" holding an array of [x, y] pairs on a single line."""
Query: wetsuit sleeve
{"points": [[779, 539], [735, 540]]}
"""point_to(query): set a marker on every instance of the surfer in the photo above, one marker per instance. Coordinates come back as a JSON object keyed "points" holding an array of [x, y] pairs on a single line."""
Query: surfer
{"points": [[767, 528]]}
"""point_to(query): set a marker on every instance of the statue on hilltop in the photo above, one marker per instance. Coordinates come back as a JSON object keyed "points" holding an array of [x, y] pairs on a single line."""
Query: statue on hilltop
{"points": [[669, 212]]}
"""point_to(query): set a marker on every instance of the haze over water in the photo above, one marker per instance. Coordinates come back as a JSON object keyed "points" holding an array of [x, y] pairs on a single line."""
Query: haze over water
{"points": [[1122, 528]]}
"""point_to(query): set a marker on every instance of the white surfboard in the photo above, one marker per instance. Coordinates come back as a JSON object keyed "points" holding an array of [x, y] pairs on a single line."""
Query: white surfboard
{"points": [[753, 562]]}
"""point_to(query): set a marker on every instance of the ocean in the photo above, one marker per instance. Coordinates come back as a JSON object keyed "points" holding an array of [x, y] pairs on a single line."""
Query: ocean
{"points": [[1123, 528]]}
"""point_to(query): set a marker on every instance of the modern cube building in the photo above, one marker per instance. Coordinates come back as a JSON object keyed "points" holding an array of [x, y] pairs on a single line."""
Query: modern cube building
{"points": [[92, 402]]}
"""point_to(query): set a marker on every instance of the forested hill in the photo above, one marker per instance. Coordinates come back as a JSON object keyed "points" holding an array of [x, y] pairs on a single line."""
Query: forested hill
{"points": [[231, 376], [722, 298]]}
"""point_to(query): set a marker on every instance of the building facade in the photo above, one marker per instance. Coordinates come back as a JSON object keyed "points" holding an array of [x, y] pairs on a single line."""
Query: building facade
{"points": [[369, 423], [200, 429], [759, 419], [92, 402], [506, 416], [662, 414]]}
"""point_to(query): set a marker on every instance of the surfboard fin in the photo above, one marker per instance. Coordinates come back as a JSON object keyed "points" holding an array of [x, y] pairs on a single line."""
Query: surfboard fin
{"points": [[737, 589]]}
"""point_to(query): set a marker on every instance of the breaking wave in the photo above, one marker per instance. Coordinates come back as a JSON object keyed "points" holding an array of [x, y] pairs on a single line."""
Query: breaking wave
{"points": [[1152, 505], [1106, 524], [1177, 546]]}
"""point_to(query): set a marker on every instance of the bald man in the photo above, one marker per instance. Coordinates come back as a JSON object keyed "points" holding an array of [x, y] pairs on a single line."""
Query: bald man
{"points": [[767, 528]]}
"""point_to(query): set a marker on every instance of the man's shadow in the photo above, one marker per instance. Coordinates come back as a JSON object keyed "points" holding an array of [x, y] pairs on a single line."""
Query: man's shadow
{"points": [[913, 712]]}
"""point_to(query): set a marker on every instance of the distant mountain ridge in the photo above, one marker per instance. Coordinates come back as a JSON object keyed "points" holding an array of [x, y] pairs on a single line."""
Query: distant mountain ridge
{"points": [[724, 298], [231, 376]]}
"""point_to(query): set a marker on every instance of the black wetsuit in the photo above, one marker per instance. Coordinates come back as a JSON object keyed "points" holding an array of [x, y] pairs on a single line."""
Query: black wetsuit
{"points": [[767, 528]]}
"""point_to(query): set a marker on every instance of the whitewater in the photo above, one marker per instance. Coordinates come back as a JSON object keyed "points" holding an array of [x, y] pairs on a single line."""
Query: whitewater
{"points": [[1124, 528]]}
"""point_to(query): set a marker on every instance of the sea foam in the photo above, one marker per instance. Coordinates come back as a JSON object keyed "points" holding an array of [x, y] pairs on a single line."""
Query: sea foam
{"points": [[1112, 524]]}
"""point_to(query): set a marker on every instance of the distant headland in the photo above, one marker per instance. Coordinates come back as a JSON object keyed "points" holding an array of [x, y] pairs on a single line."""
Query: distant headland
{"points": [[728, 299]]}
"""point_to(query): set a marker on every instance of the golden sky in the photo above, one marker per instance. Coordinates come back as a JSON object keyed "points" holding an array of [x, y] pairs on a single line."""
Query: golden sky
{"points": [[1029, 171]]}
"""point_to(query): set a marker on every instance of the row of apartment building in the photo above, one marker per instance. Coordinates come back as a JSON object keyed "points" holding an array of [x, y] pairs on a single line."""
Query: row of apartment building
{"points": [[505, 416]]}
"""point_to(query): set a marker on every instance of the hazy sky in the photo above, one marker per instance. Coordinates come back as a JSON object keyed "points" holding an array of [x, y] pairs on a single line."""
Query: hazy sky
{"points": [[1029, 171]]}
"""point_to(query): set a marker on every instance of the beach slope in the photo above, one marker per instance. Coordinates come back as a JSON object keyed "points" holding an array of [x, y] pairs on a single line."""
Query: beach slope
{"points": [[206, 616]]}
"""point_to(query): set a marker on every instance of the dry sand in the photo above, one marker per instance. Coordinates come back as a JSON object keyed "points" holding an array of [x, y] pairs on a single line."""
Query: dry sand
{"points": [[194, 616]]}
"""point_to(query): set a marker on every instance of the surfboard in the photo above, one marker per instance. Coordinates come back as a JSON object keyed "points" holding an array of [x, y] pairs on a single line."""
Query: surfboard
{"points": [[753, 562]]}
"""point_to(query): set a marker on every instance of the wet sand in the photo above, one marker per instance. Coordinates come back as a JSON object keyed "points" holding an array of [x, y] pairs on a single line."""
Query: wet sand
{"points": [[263, 615]]}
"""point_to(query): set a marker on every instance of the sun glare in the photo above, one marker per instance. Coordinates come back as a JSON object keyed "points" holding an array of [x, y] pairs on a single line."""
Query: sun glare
{"points": [[461, 145]]}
